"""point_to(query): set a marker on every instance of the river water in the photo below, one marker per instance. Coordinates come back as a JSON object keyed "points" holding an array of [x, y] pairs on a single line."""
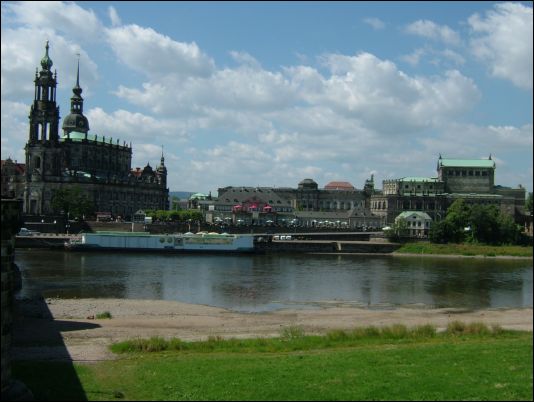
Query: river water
{"points": [[260, 283]]}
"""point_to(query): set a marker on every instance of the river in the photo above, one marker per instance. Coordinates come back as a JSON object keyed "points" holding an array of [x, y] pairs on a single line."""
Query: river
{"points": [[261, 283]]}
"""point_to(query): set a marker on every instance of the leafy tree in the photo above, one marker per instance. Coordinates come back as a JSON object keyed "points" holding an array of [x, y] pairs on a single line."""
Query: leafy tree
{"points": [[175, 203], [484, 222], [486, 225], [174, 215], [398, 230], [528, 203], [444, 231], [458, 213], [509, 231], [72, 202]]}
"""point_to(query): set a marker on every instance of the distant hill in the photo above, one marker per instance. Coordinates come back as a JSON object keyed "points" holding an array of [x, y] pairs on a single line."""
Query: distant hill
{"points": [[183, 195]]}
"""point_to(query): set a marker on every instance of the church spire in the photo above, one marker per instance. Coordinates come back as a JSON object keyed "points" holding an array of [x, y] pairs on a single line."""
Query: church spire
{"points": [[46, 61], [77, 89], [76, 102], [76, 121]]}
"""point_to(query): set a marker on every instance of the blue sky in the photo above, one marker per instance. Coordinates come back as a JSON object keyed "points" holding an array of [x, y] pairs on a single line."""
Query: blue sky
{"points": [[270, 93]]}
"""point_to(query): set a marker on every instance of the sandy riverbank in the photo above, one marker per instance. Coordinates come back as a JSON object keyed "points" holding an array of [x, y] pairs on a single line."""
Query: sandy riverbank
{"points": [[70, 323]]}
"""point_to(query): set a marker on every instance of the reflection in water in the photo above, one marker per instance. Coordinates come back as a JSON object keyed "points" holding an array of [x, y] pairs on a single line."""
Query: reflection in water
{"points": [[268, 282]]}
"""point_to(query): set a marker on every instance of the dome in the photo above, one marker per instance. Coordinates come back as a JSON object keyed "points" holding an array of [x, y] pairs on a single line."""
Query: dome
{"points": [[308, 184], [46, 61], [75, 121], [339, 185], [198, 196], [148, 169]]}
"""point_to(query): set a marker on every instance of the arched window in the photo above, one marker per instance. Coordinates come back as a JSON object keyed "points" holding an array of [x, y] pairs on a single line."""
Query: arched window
{"points": [[36, 162]]}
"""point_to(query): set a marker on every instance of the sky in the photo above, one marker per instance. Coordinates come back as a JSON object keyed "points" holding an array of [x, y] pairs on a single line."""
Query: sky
{"points": [[271, 93]]}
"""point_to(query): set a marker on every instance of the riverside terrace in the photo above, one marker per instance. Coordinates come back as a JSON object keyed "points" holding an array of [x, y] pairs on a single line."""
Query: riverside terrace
{"points": [[300, 242]]}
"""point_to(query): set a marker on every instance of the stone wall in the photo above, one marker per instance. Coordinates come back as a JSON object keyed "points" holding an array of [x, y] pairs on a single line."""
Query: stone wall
{"points": [[11, 223]]}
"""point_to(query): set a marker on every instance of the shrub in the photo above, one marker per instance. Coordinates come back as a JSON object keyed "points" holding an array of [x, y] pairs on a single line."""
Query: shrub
{"points": [[424, 331], [291, 332], [474, 328], [395, 331], [337, 335], [105, 314]]}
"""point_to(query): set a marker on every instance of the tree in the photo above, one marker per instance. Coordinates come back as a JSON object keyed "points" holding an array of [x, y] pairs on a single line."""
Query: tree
{"points": [[528, 203], [484, 222], [175, 203], [509, 231], [458, 213], [398, 230], [72, 202], [443, 232]]}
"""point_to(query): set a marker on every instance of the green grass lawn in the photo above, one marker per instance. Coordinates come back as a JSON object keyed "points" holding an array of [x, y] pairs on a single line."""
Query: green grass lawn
{"points": [[465, 249], [374, 365]]}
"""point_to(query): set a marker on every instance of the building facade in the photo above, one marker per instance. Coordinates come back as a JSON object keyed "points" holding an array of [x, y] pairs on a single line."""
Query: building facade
{"points": [[337, 205], [99, 166], [470, 179], [13, 178]]}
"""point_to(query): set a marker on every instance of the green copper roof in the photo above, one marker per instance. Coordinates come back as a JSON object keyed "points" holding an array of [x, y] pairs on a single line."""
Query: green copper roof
{"points": [[414, 178], [46, 61], [476, 163], [78, 136], [410, 214]]}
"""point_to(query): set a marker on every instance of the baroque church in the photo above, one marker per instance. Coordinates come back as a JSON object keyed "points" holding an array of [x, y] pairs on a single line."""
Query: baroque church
{"points": [[98, 165]]}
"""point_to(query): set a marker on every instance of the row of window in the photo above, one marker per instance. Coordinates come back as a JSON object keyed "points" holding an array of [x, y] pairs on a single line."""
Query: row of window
{"points": [[466, 172]]}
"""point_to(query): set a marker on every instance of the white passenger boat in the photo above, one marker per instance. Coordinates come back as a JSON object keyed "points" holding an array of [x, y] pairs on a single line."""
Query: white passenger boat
{"points": [[141, 241]]}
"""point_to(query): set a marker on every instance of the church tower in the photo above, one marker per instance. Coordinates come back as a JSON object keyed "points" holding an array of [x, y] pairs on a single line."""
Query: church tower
{"points": [[76, 121], [44, 113], [162, 172], [43, 150]]}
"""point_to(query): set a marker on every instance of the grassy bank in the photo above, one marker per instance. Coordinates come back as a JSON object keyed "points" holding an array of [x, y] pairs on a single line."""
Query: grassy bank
{"points": [[467, 362], [465, 249]]}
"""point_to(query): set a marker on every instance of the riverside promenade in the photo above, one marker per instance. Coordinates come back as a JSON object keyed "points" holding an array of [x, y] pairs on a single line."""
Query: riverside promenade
{"points": [[343, 242]]}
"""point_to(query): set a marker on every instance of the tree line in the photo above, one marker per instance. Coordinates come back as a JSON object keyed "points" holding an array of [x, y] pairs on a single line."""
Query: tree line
{"points": [[175, 216], [472, 223]]}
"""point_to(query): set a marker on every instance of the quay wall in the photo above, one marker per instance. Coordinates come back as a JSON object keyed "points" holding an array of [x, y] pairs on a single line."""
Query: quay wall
{"points": [[324, 246], [272, 246], [11, 389]]}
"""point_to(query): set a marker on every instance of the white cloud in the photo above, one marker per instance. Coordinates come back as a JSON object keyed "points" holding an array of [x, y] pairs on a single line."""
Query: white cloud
{"points": [[65, 17], [134, 126], [431, 30], [114, 17], [503, 39], [14, 129], [247, 125], [245, 59], [375, 23], [360, 92], [446, 57], [22, 50], [151, 53], [388, 100], [415, 57]]}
